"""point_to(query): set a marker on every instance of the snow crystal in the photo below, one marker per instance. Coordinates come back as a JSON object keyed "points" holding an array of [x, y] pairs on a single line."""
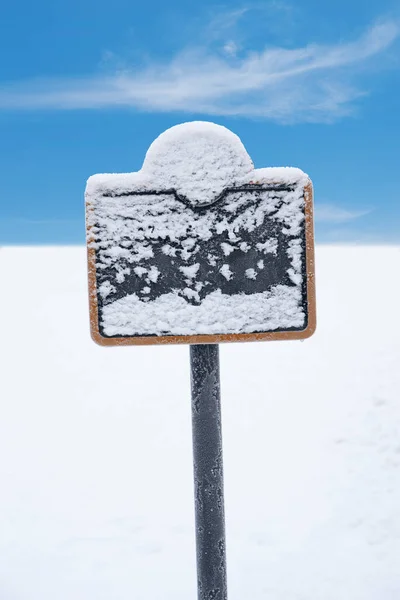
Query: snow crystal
{"points": [[295, 251], [251, 273], [295, 277], [268, 246], [140, 271], [153, 274], [106, 288], [191, 271], [226, 272], [227, 248], [189, 293], [120, 277], [168, 250]]}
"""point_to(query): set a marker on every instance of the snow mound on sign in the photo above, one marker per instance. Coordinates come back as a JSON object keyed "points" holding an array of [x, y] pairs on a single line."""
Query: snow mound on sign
{"points": [[198, 160]]}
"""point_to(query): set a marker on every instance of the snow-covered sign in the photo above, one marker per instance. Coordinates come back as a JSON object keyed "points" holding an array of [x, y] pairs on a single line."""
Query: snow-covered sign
{"points": [[200, 247]]}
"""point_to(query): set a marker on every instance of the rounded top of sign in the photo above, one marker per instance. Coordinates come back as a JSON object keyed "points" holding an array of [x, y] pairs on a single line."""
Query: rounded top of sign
{"points": [[198, 160]]}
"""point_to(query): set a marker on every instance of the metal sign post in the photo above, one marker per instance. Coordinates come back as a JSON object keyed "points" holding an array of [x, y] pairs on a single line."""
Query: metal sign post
{"points": [[199, 247], [208, 472]]}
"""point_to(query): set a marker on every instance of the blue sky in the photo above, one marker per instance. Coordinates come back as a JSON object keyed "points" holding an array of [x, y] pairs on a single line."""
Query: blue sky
{"points": [[85, 86]]}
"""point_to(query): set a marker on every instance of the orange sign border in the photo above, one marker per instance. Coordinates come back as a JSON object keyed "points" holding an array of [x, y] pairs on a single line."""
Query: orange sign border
{"points": [[219, 338]]}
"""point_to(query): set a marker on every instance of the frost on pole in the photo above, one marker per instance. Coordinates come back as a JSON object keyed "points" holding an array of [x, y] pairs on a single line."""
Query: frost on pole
{"points": [[200, 247]]}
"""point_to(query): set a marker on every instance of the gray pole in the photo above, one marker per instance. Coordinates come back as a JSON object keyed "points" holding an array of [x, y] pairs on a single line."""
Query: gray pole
{"points": [[208, 472]]}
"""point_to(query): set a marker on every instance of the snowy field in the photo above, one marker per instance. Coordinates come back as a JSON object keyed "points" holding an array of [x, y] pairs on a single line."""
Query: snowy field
{"points": [[96, 499]]}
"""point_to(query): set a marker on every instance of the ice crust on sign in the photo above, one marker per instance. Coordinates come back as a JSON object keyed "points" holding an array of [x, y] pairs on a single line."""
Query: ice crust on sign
{"points": [[198, 241]]}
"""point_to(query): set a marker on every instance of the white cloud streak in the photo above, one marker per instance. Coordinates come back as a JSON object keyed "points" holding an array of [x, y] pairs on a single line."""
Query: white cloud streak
{"points": [[286, 85], [329, 213]]}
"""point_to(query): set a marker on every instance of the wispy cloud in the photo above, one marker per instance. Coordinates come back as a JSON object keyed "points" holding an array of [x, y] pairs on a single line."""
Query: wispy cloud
{"points": [[225, 22], [310, 83], [230, 48], [329, 213]]}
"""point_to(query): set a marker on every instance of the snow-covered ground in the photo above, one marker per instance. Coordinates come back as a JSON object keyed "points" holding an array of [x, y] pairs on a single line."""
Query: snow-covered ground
{"points": [[96, 499]]}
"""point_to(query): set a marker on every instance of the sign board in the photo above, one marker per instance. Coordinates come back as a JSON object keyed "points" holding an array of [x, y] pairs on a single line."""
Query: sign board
{"points": [[199, 246]]}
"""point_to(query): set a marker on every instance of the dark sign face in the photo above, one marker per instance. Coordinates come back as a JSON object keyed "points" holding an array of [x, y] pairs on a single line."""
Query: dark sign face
{"points": [[199, 247]]}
